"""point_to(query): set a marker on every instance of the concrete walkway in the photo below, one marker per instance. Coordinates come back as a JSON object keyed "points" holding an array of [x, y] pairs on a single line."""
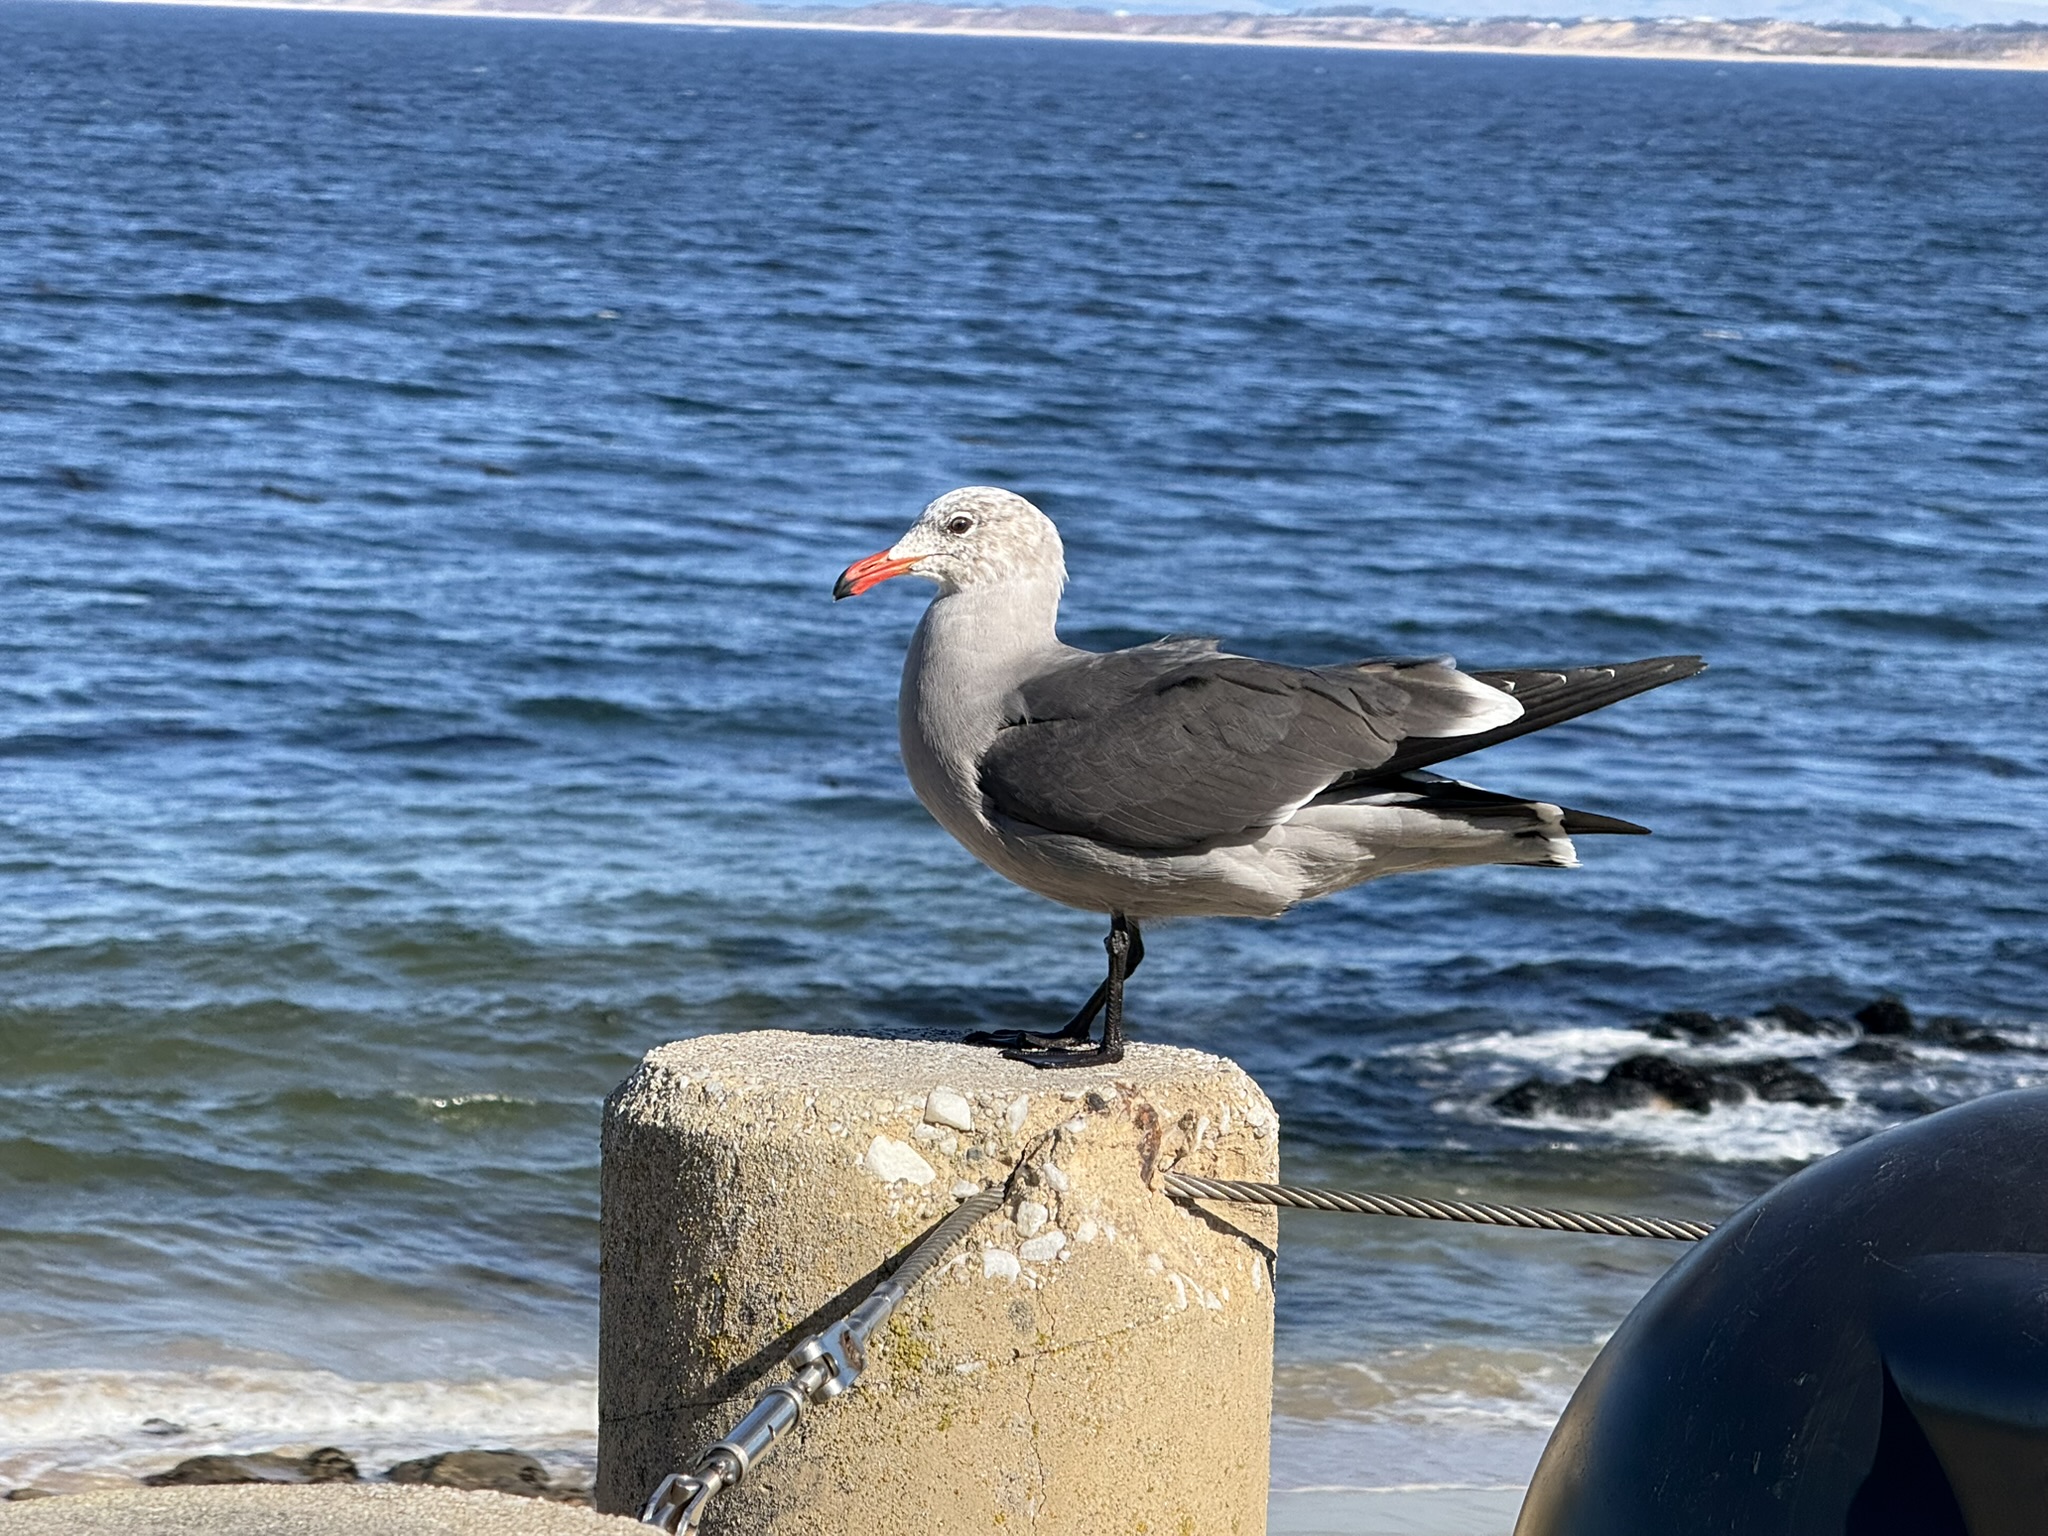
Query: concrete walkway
{"points": [[384, 1509], [324, 1509], [1396, 1512]]}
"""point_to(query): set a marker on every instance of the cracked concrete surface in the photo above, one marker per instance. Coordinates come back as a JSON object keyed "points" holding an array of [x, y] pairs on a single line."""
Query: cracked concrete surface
{"points": [[1102, 1365]]}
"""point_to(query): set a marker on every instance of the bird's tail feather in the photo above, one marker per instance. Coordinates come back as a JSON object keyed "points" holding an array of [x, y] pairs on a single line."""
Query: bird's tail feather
{"points": [[1434, 792], [1593, 821]]}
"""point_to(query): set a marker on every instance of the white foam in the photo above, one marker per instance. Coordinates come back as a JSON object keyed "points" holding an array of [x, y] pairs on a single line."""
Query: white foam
{"points": [[1393, 1456], [1574, 1050], [68, 1429], [1404, 1488], [1752, 1132], [1433, 1385], [1874, 1094], [469, 1101]]}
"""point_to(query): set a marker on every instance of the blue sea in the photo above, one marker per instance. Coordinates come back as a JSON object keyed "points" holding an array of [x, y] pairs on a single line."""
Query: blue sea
{"points": [[426, 450]]}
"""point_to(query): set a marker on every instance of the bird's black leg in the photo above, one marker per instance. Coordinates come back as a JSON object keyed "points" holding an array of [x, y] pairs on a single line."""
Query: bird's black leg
{"points": [[1126, 949], [1071, 1046]]}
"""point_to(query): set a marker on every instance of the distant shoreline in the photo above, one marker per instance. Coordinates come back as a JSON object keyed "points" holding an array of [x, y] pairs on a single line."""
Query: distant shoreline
{"points": [[1672, 41]]}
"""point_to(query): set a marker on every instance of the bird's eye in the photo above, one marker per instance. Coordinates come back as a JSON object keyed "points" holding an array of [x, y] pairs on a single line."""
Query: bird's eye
{"points": [[961, 525]]}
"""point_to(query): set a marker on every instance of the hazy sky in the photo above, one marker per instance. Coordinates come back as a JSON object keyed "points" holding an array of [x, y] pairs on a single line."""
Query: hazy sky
{"points": [[1941, 13], [1938, 13]]}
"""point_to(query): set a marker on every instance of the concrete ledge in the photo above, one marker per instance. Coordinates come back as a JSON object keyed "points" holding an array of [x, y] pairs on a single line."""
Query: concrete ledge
{"points": [[322, 1509], [1096, 1358]]}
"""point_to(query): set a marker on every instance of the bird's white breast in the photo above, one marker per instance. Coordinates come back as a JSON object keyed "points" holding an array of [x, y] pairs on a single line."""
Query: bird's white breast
{"points": [[970, 652]]}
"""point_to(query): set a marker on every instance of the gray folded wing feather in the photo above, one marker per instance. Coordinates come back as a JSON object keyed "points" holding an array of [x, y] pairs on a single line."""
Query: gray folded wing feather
{"points": [[1172, 744]]}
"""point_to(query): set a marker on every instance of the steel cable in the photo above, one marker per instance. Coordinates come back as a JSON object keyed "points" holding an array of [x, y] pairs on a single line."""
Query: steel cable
{"points": [[1600, 1223], [921, 1258]]}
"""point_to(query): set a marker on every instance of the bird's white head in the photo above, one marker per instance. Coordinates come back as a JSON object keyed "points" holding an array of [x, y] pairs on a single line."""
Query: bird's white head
{"points": [[977, 536]]}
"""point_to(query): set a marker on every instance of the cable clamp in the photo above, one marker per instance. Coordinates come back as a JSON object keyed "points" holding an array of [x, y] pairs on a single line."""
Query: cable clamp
{"points": [[678, 1505], [841, 1352]]}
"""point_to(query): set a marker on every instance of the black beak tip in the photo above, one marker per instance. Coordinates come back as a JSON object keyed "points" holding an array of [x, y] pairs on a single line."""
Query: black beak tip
{"points": [[842, 588]]}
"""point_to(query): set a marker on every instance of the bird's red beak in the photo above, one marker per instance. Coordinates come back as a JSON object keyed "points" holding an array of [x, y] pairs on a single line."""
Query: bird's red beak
{"points": [[871, 572]]}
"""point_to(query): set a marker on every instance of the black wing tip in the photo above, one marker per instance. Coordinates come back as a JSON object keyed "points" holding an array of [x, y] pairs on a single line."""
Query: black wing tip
{"points": [[1622, 679], [1588, 823], [1678, 666], [1552, 695], [1666, 669]]}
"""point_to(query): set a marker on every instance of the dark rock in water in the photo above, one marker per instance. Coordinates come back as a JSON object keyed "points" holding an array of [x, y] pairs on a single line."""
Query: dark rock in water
{"points": [[1528, 1097], [17, 1495], [1900, 1101], [1691, 1024], [1890, 1017], [495, 1471], [1960, 1034], [1778, 1081], [1637, 1082], [1578, 1099], [1879, 1051], [1695, 1024], [326, 1465], [160, 1427], [1679, 1084], [1799, 1021], [1886, 1016]]}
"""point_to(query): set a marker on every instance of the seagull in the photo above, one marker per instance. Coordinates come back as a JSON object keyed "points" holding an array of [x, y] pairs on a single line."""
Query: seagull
{"points": [[1176, 779]]}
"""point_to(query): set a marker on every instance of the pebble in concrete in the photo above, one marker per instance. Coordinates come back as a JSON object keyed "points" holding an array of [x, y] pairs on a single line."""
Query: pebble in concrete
{"points": [[892, 1161], [1095, 1356], [942, 1106]]}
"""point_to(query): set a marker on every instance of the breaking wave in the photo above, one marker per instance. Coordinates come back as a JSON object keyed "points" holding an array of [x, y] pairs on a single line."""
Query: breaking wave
{"points": [[65, 1431]]}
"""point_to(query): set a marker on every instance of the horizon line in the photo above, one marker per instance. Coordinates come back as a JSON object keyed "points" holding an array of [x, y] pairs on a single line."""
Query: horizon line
{"points": [[1349, 45]]}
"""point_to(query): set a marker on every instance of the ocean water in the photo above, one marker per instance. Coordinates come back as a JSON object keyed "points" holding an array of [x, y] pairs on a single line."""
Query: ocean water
{"points": [[426, 448]]}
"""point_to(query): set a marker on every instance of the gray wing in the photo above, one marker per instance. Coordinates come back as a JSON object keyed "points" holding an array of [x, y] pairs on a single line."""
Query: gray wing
{"points": [[1171, 744]]}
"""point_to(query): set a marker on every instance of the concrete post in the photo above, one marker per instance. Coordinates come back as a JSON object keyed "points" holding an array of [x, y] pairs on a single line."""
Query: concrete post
{"points": [[1096, 1358]]}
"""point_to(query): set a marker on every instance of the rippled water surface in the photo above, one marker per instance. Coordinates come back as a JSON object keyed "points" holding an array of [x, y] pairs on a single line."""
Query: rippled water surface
{"points": [[426, 448]]}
